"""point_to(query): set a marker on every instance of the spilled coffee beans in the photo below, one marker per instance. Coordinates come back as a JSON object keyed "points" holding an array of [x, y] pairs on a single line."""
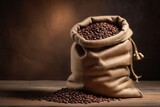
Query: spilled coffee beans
{"points": [[73, 96], [99, 30]]}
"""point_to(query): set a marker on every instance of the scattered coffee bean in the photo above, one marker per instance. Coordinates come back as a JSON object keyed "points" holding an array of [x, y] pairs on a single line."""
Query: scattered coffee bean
{"points": [[73, 96], [99, 30]]}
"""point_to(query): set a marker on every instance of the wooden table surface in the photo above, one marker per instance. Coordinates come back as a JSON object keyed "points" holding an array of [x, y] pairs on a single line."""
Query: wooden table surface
{"points": [[9, 97]]}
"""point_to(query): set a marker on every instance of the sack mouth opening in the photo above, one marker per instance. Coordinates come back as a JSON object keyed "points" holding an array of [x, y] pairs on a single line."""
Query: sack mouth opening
{"points": [[116, 20]]}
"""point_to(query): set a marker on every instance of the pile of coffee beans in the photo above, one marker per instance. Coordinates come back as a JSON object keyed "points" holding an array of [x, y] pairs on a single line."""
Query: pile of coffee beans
{"points": [[99, 30], [73, 96]]}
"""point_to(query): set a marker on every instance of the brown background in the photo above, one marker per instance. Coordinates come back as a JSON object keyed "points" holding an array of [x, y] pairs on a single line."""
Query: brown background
{"points": [[35, 41]]}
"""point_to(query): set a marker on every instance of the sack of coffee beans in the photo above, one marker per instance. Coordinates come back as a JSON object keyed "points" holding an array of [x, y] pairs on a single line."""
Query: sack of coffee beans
{"points": [[101, 57]]}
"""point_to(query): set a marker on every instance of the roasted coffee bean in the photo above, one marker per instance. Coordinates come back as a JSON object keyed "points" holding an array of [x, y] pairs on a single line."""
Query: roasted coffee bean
{"points": [[73, 96], [99, 30]]}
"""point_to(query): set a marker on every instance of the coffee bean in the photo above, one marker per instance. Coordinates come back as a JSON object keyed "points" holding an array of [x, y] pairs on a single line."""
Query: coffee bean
{"points": [[99, 30], [73, 96]]}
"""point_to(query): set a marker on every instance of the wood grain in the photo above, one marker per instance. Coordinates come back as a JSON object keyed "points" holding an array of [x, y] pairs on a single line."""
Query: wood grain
{"points": [[9, 94]]}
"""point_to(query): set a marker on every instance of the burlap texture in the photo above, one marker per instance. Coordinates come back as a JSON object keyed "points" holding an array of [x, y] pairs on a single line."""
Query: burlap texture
{"points": [[102, 66]]}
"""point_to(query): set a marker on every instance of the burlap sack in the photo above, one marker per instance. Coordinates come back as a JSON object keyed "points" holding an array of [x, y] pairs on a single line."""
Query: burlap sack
{"points": [[103, 66]]}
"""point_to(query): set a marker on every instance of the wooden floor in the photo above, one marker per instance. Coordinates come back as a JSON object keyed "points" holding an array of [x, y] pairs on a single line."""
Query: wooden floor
{"points": [[9, 96]]}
